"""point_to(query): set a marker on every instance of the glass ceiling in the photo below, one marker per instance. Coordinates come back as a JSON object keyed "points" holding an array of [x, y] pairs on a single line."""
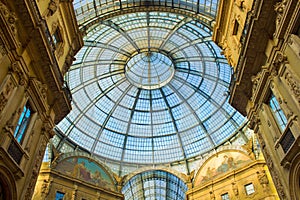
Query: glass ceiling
{"points": [[154, 185], [87, 11], [149, 88]]}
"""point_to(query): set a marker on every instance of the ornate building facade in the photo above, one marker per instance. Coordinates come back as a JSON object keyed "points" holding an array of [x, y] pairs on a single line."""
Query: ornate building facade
{"points": [[144, 109], [266, 73], [37, 48], [76, 176]]}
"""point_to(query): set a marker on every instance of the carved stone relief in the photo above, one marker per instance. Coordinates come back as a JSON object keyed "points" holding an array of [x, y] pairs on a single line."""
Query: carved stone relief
{"points": [[52, 7], [255, 82], [273, 171], [235, 189], [212, 195], [279, 9], [293, 85], [15, 68], [262, 178], [240, 3], [10, 18], [226, 52], [6, 90], [3, 50], [60, 47], [279, 60], [36, 168], [46, 188]]}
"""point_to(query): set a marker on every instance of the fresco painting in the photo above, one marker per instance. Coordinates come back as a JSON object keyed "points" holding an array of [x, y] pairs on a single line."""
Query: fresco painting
{"points": [[86, 170], [221, 164]]}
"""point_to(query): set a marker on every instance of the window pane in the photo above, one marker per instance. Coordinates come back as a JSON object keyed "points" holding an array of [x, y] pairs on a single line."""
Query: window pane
{"points": [[22, 123], [225, 196], [59, 196], [249, 189], [277, 112]]}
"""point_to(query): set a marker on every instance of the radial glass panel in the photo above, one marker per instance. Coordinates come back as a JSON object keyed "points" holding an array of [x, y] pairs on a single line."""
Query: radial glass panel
{"points": [[149, 88]]}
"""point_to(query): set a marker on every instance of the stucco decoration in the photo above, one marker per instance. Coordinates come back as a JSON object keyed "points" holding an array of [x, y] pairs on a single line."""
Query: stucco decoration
{"points": [[86, 170], [220, 164]]}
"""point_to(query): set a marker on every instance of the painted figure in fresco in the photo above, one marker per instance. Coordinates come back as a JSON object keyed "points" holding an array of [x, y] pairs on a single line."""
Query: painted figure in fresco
{"points": [[227, 164], [96, 177], [80, 171], [84, 173]]}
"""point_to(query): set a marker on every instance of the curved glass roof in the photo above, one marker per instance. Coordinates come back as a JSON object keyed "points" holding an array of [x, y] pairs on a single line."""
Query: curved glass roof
{"points": [[155, 185], [149, 70], [149, 88], [87, 11]]}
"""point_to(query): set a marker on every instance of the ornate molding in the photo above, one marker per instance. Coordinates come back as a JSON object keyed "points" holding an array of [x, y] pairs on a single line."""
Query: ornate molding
{"points": [[235, 189], [10, 18], [262, 178], [35, 171], [46, 187], [255, 83], [280, 59], [240, 3], [16, 69], [227, 52], [3, 50], [6, 90], [293, 85], [279, 9], [274, 173], [52, 7]]}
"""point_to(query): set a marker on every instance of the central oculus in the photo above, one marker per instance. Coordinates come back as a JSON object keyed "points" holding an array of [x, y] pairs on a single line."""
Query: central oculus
{"points": [[149, 70]]}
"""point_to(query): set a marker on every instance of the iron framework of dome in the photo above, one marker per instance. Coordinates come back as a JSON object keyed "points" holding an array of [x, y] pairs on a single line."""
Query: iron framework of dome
{"points": [[149, 86]]}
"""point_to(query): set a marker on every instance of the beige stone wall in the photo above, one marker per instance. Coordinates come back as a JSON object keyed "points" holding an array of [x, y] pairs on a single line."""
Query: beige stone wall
{"points": [[228, 30]]}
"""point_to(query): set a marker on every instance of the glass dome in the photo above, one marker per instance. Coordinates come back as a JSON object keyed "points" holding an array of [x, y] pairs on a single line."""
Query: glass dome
{"points": [[149, 70], [149, 88]]}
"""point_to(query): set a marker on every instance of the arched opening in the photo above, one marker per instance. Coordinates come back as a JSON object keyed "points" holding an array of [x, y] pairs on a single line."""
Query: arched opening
{"points": [[7, 188], [295, 178], [154, 184]]}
